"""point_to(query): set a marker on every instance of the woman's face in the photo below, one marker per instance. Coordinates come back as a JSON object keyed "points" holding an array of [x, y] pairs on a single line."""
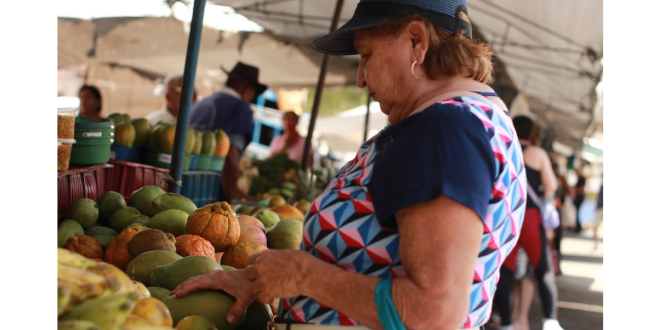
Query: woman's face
{"points": [[384, 68], [289, 123], [88, 104]]}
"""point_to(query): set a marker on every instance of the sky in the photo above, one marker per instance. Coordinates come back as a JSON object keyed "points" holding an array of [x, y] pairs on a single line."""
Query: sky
{"points": [[219, 17]]}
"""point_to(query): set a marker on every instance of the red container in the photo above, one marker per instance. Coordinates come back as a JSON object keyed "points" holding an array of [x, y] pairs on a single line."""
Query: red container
{"points": [[81, 182], [128, 177]]}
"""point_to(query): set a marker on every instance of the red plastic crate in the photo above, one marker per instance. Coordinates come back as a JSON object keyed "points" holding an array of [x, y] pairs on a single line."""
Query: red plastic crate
{"points": [[81, 182], [128, 177]]}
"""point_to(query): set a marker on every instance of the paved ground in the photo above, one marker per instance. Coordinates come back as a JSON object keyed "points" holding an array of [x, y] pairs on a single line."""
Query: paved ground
{"points": [[580, 286]]}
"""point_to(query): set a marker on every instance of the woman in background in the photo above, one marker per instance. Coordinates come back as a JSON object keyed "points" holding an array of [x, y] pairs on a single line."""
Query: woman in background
{"points": [[90, 102]]}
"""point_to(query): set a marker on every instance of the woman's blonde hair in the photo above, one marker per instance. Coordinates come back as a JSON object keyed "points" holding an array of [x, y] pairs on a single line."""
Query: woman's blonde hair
{"points": [[448, 54]]}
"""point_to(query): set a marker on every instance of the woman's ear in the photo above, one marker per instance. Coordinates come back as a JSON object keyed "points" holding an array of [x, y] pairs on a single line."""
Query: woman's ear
{"points": [[418, 35]]}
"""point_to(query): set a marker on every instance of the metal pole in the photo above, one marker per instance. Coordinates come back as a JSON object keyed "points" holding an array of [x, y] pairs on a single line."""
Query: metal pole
{"points": [[319, 91], [186, 95], [366, 119]]}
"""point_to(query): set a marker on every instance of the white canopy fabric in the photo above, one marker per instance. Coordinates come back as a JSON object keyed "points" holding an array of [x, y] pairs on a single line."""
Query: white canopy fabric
{"points": [[551, 49], [158, 45]]}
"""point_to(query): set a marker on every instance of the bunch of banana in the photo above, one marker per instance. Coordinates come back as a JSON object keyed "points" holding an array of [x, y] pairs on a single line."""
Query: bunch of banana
{"points": [[79, 284], [109, 311]]}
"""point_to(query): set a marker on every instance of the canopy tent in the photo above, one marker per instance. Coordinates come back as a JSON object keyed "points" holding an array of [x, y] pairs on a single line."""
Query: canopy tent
{"points": [[157, 46], [550, 49]]}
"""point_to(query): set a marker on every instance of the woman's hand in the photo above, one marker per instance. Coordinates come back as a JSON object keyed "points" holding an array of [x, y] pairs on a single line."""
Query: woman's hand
{"points": [[233, 282], [277, 274]]}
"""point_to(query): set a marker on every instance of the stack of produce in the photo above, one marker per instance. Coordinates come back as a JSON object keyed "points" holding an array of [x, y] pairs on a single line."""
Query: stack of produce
{"points": [[276, 176], [127, 258]]}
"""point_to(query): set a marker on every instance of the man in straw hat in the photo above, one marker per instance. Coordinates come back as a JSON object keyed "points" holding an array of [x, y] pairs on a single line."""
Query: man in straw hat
{"points": [[229, 109]]}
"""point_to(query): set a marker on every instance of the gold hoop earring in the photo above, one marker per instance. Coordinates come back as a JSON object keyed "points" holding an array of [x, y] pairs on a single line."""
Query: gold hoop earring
{"points": [[412, 70]]}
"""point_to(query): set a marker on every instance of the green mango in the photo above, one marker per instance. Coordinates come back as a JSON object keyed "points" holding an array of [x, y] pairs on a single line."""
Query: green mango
{"points": [[125, 135], [197, 149], [142, 129], [210, 304], [158, 292], [169, 276], [116, 118], [285, 234], [190, 142], [257, 317], [169, 201], [85, 211], [170, 221], [104, 240], [141, 199], [67, 229], [208, 143], [122, 218], [99, 230], [141, 268]]}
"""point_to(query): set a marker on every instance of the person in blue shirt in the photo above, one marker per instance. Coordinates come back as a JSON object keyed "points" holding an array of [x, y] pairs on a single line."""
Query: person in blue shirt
{"points": [[229, 109]]}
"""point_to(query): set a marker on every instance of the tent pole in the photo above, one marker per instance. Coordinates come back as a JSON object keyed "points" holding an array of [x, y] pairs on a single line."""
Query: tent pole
{"points": [[366, 119], [319, 91], [186, 96]]}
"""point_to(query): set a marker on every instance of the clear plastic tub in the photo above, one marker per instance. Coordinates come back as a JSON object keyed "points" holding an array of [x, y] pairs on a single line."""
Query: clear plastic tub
{"points": [[66, 123], [64, 147]]}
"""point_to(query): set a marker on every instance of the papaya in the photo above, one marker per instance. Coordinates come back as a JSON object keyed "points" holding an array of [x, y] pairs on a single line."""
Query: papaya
{"points": [[210, 304], [142, 129], [170, 221], [169, 276], [85, 211], [169, 201], [190, 142], [195, 322], [166, 138], [208, 143], [286, 234], [141, 199], [68, 229], [197, 149], [108, 204], [124, 135], [141, 268]]}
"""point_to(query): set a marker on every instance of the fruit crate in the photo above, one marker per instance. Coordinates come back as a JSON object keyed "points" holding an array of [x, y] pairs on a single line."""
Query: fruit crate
{"points": [[81, 182], [128, 177], [202, 187]]}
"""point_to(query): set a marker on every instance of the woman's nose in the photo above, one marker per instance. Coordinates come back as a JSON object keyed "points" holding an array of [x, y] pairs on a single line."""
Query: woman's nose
{"points": [[361, 82]]}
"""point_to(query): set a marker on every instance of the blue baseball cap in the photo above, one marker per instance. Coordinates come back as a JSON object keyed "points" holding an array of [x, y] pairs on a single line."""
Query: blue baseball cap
{"points": [[444, 14]]}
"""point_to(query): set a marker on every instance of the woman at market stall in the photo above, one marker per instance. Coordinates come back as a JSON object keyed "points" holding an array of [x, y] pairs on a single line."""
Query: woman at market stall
{"points": [[90, 102], [412, 232], [290, 141]]}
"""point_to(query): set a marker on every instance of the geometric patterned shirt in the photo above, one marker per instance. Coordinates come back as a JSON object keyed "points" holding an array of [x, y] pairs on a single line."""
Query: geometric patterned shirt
{"points": [[461, 148]]}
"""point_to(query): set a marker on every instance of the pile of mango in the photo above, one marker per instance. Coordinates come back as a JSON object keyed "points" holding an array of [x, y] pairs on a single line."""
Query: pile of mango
{"points": [[125, 253]]}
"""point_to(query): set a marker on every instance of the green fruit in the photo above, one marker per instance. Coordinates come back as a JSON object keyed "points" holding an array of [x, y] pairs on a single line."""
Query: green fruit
{"points": [[141, 268], [153, 142], [208, 143], [150, 240], [108, 204], [212, 305], [63, 299], [122, 218], [104, 240], [170, 221], [286, 234], [166, 138], [108, 311], [67, 229], [142, 129], [195, 322], [225, 267], [190, 142], [138, 225], [141, 199], [244, 209], [124, 135], [158, 292], [268, 218], [99, 230], [197, 149], [116, 118], [126, 118], [170, 201], [85, 211], [77, 325], [169, 276], [257, 317]]}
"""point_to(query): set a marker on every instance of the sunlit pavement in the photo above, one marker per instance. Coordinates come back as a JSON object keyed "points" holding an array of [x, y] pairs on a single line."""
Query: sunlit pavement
{"points": [[580, 285]]}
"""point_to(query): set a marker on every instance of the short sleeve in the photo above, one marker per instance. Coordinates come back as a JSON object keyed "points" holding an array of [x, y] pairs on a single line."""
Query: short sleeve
{"points": [[443, 150]]}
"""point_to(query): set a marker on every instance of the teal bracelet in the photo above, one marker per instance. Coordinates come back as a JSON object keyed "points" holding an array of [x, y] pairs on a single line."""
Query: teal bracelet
{"points": [[387, 313]]}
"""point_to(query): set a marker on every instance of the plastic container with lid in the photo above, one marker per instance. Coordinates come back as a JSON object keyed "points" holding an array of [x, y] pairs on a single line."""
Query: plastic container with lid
{"points": [[66, 120], [93, 141], [64, 147]]}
